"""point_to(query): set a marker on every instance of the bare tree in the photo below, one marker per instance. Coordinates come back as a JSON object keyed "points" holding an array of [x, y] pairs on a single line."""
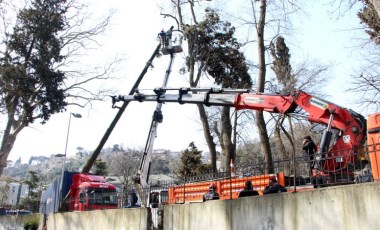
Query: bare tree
{"points": [[367, 86], [366, 80], [366, 83], [124, 165]]}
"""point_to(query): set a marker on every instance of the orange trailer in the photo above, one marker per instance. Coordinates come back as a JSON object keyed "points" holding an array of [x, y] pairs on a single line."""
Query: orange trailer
{"points": [[226, 188], [373, 140]]}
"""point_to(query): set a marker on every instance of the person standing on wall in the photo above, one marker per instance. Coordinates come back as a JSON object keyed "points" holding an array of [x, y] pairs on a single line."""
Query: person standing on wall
{"points": [[310, 149]]}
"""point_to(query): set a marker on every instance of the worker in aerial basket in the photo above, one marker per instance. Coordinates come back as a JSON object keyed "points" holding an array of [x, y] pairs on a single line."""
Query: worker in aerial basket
{"points": [[212, 194]]}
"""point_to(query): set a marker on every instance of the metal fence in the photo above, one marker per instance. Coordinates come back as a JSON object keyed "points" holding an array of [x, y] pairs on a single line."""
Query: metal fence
{"points": [[297, 173], [294, 174]]}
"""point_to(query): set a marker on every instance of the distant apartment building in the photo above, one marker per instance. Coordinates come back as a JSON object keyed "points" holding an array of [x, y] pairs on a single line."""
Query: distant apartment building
{"points": [[36, 160], [15, 192]]}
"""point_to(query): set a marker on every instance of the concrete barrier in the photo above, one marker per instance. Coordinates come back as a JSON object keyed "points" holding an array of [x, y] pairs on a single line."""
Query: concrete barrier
{"points": [[16, 222], [123, 219], [341, 207]]}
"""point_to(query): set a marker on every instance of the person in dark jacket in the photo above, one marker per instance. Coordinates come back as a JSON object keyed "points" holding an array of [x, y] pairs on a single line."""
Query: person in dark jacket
{"points": [[274, 187], [310, 149], [248, 190], [212, 194]]}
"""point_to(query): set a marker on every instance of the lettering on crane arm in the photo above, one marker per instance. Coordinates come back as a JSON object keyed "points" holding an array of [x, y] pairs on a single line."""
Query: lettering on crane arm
{"points": [[318, 103], [346, 139], [254, 100]]}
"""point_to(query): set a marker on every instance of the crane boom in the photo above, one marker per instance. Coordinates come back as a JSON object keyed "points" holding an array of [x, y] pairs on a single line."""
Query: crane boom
{"points": [[141, 177], [350, 126]]}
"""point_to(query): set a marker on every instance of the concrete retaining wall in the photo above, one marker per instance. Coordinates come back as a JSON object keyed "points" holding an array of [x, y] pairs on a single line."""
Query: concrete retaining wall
{"points": [[16, 222], [123, 219], [344, 207]]}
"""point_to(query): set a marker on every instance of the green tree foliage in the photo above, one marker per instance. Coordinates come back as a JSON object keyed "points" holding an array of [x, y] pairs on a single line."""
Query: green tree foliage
{"points": [[100, 168], [30, 85], [160, 166], [35, 188], [33, 183], [213, 44], [31, 224], [32, 51], [213, 47], [283, 71], [4, 190], [191, 162], [281, 64], [33, 82]]}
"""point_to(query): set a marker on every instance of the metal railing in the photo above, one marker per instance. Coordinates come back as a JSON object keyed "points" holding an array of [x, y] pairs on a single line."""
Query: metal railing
{"points": [[297, 173], [294, 174]]}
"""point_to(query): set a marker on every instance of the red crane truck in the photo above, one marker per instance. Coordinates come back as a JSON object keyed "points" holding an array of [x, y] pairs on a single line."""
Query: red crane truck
{"points": [[79, 192], [344, 134]]}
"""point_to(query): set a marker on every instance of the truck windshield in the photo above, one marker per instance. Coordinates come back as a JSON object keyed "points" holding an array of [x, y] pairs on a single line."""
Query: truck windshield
{"points": [[102, 196]]}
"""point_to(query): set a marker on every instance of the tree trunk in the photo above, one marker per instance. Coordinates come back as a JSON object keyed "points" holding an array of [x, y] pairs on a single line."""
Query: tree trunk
{"points": [[229, 147], [209, 139], [282, 149], [264, 142], [291, 141], [9, 138], [260, 121]]}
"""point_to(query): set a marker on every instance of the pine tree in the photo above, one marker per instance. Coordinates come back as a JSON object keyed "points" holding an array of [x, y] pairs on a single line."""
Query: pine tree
{"points": [[101, 168], [191, 162]]}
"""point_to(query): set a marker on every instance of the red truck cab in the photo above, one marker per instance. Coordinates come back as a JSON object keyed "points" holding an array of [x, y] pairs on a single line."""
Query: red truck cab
{"points": [[91, 192]]}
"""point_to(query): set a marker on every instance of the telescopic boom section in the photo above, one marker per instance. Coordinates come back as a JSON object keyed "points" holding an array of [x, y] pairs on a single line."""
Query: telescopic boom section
{"points": [[350, 125], [141, 177]]}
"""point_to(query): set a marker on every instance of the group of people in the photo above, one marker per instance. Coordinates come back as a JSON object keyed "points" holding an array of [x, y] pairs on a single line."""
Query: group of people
{"points": [[273, 187], [310, 149]]}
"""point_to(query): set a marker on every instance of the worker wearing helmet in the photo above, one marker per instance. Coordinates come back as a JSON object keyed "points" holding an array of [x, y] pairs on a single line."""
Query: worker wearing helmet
{"points": [[212, 194]]}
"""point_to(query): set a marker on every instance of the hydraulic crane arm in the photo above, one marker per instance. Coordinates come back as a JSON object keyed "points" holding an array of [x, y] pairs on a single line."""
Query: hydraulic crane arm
{"points": [[351, 126], [238, 98], [141, 177]]}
